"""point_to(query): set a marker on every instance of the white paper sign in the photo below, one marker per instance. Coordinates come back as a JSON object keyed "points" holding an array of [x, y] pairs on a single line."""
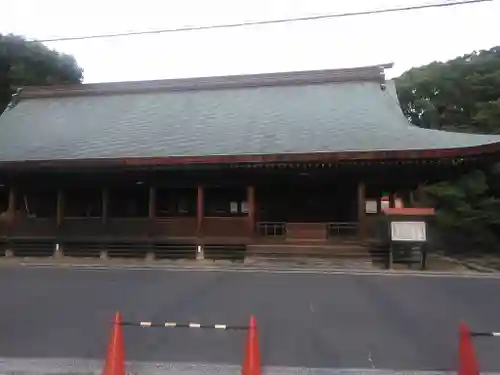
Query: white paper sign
{"points": [[384, 205], [398, 203], [244, 207], [408, 231], [371, 207], [233, 207]]}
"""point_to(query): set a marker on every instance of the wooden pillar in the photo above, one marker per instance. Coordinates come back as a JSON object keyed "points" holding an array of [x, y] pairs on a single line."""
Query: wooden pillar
{"points": [[105, 202], [379, 201], [251, 209], [200, 204], [60, 207], [58, 250], [392, 199], [361, 209], [152, 202], [11, 210]]}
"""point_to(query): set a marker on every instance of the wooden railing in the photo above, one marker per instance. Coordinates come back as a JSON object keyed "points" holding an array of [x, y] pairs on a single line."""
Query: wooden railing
{"points": [[94, 228], [174, 227], [29, 227], [341, 229], [81, 227], [127, 227], [225, 227], [307, 230], [271, 229]]}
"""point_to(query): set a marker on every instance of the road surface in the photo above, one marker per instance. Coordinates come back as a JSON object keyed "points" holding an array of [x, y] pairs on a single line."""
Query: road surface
{"points": [[307, 320]]}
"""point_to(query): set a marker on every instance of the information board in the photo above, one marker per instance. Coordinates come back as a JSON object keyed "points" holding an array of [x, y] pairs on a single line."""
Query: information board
{"points": [[411, 231]]}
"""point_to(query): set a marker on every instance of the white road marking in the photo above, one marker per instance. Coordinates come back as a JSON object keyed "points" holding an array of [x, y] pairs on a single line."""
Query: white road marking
{"points": [[311, 307]]}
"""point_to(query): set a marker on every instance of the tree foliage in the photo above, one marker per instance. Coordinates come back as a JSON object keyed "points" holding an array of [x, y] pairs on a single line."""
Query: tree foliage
{"points": [[462, 94], [27, 63], [466, 202]]}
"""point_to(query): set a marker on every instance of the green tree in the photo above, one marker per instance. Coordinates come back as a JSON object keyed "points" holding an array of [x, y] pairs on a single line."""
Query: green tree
{"points": [[467, 208], [466, 202], [462, 94], [27, 63]]}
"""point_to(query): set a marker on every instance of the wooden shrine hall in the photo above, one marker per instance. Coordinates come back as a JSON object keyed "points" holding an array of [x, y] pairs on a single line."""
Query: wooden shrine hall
{"points": [[247, 164]]}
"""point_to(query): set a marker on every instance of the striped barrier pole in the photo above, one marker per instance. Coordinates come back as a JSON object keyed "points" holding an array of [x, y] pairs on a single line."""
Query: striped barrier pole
{"points": [[485, 334], [115, 361], [147, 324]]}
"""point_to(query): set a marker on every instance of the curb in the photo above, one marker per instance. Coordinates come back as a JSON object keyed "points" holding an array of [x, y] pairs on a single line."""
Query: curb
{"points": [[78, 366], [244, 269], [473, 266]]}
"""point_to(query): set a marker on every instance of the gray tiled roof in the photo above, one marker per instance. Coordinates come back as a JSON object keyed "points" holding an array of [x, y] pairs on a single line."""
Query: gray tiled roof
{"points": [[268, 119]]}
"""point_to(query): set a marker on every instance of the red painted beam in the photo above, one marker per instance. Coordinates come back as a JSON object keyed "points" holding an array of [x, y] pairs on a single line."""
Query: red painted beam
{"points": [[325, 157]]}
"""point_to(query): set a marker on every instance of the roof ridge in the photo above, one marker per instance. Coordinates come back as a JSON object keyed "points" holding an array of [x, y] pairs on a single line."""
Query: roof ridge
{"points": [[365, 73]]}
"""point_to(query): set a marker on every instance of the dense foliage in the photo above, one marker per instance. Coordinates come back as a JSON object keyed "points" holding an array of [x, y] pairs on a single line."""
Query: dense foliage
{"points": [[462, 95], [466, 203], [27, 63]]}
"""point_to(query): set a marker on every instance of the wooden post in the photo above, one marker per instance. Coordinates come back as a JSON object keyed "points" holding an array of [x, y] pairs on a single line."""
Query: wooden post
{"points": [[392, 199], [251, 209], [150, 254], [152, 202], [105, 204], [105, 201], [60, 208], [379, 201], [361, 209], [200, 204], [200, 212], [58, 250], [11, 210]]}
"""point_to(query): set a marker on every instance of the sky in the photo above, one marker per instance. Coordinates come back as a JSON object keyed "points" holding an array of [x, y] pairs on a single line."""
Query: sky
{"points": [[407, 39]]}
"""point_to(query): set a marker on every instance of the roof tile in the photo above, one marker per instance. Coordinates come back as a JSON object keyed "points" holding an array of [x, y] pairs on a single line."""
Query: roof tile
{"points": [[305, 117]]}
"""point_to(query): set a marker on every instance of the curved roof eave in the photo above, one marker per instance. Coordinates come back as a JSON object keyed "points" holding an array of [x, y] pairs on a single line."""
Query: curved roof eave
{"points": [[315, 157], [319, 116]]}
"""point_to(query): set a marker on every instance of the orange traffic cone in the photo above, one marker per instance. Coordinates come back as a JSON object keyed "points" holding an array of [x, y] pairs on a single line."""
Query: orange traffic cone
{"points": [[251, 364], [115, 358], [467, 362]]}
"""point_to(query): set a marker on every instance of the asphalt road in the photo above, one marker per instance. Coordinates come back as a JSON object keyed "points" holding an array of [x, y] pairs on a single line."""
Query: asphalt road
{"points": [[340, 321]]}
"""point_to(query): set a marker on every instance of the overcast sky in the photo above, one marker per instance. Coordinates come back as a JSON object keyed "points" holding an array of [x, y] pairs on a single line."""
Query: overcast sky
{"points": [[408, 38]]}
